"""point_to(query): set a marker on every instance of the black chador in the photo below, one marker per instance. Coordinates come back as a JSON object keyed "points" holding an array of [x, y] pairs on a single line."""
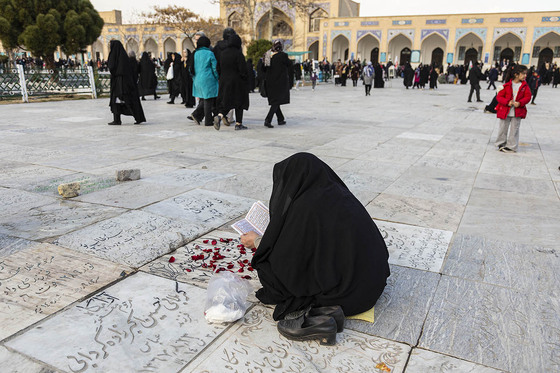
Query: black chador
{"points": [[321, 247], [186, 80], [174, 78], [147, 83], [124, 89]]}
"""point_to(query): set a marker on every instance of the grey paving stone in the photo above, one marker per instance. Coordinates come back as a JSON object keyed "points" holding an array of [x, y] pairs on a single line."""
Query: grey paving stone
{"points": [[133, 238], [188, 178], [142, 323], [508, 264], [255, 184], [256, 345], [88, 184], [55, 219], [16, 201], [499, 163], [16, 174], [416, 211], [12, 362], [402, 308], [423, 361], [42, 279], [494, 326], [521, 185], [10, 245]]}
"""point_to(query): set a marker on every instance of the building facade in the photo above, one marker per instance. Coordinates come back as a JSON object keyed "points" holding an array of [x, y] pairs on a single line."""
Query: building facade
{"points": [[333, 30]]}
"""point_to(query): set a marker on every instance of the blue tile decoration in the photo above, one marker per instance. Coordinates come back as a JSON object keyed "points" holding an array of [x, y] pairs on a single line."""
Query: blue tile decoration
{"points": [[375, 33], [341, 24], [472, 20], [480, 32], [325, 44], [511, 20], [436, 21], [550, 19], [346, 33], [449, 57], [311, 40], [518, 31], [426, 32], [382, 57], [541, 31], [525, 59], [111, 29], [409, 33], [402, 22], [369, 23], [131, 29]]}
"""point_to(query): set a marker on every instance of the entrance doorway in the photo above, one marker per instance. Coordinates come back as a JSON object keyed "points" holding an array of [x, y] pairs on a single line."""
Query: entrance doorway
{"points": [[545, 56], [374, 57], [507, 54], [405, 56], [437, 57], [471, 55]]}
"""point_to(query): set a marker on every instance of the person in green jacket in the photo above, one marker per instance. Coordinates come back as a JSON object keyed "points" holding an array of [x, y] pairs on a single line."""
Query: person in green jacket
{"points": [[205, 82]]}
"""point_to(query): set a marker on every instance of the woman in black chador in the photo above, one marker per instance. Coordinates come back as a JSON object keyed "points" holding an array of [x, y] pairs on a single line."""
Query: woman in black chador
{"points": [[147, 83], [124, 89], [279, 79], [321, 249], [174, 77]]}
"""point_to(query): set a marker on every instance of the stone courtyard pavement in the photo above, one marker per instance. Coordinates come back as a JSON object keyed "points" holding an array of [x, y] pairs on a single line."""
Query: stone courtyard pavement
{"points": [[473, 234]]}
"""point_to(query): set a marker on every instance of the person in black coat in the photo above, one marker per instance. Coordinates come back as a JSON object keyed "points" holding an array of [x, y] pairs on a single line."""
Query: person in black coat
{"points": [[475, 75], [174, 84], [434, 74], [378, 79], [408, 75], [124, 98], [222, 44], [233, 91], [278, 82], [492, 77], [186, 80], [147, 83], [250, 75]]}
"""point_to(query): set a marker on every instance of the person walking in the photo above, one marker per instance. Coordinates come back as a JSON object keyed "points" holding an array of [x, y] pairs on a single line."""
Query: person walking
{"points": [[355, 74], [147, 83], [492, 77], [512, 101], [534, 82], [124, 99], [434, 75], [313, 77], [233, 91], [278, 81], [298, 75], [186, 80], [475, 75], [369, 76], [205, 82], [251, 75], [172, 68], [408, 75]]}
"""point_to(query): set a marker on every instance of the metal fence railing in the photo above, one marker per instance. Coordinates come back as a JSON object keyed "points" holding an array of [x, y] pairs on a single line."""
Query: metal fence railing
{"points": [[25, 83]]}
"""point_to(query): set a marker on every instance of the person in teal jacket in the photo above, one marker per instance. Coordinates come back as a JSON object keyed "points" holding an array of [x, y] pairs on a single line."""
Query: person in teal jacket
{"points": [[205, 82]]}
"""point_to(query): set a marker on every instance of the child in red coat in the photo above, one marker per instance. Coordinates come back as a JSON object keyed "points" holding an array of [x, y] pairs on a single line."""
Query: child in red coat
{"points": [[511, 108]]}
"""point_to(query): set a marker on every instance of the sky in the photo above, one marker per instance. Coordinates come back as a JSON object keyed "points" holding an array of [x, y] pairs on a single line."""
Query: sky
{"points": [[372, 8]]}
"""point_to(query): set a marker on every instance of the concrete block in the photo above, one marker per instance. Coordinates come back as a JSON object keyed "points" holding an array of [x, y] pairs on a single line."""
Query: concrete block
{"points": [[127, 175], [69, 190]]}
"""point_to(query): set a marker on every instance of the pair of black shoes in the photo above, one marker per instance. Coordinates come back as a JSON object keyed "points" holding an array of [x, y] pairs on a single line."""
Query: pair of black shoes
{"points": [[320, 323]]}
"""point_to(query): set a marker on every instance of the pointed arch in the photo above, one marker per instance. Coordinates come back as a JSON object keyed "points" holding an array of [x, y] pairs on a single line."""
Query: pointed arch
{"points": [[470, 42], [151, 46], [366, 45], [340, 45], [315, 19], [283, 26], [431, 43], [508, 46]]}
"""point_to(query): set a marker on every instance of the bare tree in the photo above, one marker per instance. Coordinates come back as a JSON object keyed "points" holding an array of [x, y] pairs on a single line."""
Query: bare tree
{"points": [[185, 21]]}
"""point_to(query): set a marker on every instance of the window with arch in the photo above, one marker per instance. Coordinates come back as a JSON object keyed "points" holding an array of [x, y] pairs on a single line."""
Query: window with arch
{"points": [[234, 21], [315, 19]]}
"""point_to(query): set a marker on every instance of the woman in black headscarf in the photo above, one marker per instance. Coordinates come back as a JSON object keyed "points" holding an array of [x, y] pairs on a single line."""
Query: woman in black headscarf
{"points": [[147, 84], [321, 247], [124, 89], [408, 75], [278, 81], [173, 62]]}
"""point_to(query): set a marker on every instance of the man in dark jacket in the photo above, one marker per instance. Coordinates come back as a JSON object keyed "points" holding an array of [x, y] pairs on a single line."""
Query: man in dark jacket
{"points": [[475, 75]]}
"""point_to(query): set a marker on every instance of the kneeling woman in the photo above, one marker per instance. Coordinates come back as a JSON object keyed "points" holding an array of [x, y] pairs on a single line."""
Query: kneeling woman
{"points": [[320, 250]]}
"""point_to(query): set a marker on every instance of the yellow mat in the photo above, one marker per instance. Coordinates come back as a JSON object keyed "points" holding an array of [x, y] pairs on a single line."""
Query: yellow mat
{"points": [[366, 316]]}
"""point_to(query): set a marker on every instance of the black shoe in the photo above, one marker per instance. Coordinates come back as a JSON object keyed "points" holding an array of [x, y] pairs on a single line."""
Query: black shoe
{"points": [[191, 117], [170, 102], [139, 121], [113, 123], [308, 328], [217, 122], [281, 123], [157, 97], [268, 125], [469, 101], [333, 311], [240, 127], [183, 103], [479, 101]]}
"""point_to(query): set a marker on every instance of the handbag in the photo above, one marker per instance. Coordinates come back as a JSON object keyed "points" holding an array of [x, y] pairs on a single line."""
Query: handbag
{"points": [[170, 74]]}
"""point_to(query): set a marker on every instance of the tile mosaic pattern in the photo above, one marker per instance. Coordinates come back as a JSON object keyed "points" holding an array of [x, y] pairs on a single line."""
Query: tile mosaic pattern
{"points": [[143, 323], [42, 279]]}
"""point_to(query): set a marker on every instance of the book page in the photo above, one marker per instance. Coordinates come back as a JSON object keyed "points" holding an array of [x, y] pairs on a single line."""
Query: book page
{"points": [[257, 220], [242, 226]]}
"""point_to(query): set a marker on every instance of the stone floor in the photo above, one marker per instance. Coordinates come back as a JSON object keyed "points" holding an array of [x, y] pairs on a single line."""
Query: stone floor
{"points": [[473, 234]]}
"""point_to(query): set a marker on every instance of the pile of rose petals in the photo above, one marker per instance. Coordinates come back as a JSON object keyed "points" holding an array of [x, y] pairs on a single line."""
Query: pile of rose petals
{"points": [[212, 258]]}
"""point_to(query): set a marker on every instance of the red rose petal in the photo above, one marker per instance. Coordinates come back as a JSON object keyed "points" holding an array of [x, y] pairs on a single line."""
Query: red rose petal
{"points": [[230, 266], [240, 270], [188, 270], [214, 242], [247, 277], [250, 269], [205, 241]]}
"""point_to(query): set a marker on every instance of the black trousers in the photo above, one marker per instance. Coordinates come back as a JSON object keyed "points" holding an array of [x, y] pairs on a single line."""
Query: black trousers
{"points": [[274, 109], [534, 94], [477, 89], [368, 89], [491, 84], [205, 110], [238, 114]]}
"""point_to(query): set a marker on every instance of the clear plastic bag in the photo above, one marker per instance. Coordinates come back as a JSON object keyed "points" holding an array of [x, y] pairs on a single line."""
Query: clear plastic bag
{"points": [[226, 298]]}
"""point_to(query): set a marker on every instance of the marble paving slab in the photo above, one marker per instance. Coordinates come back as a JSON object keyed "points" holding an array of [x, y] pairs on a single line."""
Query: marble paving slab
{"points": [[516, 165], [22, 174], [498, 327], [521, 185], [203, 207], [509, 264], [402, 308], [463, 162], [256, 185], [165, 134], [44, 278], [54, 219], [265, 154], [142, 324], [133, 238], [416, 211], [12, 362], [380, 168], [198, 272], [415, 247], [364, 187], [256, 346], [424, 361], [88, 184], [420, 136], [78, 119], [10, 245], [188, 179], [132, 194], [15, 201]]}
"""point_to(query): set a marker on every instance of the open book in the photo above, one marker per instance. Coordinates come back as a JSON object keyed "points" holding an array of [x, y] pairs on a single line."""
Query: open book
{"points": [[257, 220]]}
